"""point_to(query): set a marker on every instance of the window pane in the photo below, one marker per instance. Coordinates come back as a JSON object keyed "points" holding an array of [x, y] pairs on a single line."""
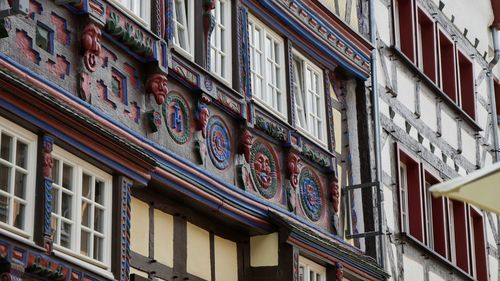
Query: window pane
{"points": [[66, 205], [67, 177], [86, 186], [98, 248], [99, 192], [65, 235], [4, 209], [98, 219], [55, 227], [86, 214], [21, 154], [85, 243], [55, 200], [55, 172], [4, 177], [19, 210], [20, 185], [6, 147]]}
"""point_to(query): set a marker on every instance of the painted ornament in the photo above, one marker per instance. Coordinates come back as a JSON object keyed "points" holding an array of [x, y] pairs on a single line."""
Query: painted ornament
{"points": [[311, 196], [176, 116], [263, 169], [218, 142], [91, 44], [157, 85]]}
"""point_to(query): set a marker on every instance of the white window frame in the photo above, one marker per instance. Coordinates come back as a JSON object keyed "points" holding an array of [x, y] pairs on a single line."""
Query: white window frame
{"points": [[306, 104], [429, 215], [19, 133], [309, 266], [403, 186], [276, 100], [189, 28], [79, 167], [225, 44], [140, 10]]}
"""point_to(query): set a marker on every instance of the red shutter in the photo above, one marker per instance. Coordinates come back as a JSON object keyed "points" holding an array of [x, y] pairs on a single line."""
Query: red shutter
{"points": [[406, 28], [428, 44], [447, 55], [438, 218], [479, 245], [467, 97], [461, 241]]}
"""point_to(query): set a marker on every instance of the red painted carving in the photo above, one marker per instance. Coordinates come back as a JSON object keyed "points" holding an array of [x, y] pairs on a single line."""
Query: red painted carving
{"points": [[60, 67], [132, 74], [157, 85], [35, 7], [5, 276], [334, 188], [25, 46], [134, 113], [62, 33], [246, 144], [84, 86], [202, 115], [340, 272], [293, 161], [106, 55], [91, 43], [263, 170], [4, 251], [48, 162]]}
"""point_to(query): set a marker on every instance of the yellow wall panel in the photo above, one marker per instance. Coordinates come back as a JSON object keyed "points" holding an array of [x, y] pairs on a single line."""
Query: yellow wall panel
{"points": [[139, 227], [164, 238], [226, 259], [264, 250], [138, 272], [198, 252]]}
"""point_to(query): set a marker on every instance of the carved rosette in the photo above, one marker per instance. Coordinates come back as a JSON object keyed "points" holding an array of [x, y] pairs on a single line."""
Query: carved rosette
{"points": [[157, 85], [311, 195], [218, 142], [176, 116], [91, 45], [264, 170]]}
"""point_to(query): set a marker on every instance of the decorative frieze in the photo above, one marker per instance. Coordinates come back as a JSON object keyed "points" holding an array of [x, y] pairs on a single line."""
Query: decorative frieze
{"points": [[271, 128]]}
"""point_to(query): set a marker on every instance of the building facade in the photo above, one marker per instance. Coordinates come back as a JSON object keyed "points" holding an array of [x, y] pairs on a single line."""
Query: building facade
{"points": [[186, 140], [436, 78]]}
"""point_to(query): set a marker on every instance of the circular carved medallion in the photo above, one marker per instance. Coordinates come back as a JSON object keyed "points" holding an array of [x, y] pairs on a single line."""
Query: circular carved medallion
{"points": [[263, 169], [218, 142], [176, 116], [311, 196]]}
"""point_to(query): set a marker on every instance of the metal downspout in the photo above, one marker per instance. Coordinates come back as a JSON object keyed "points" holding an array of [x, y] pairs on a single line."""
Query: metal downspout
{"points": [[492, 64], [376, 127]]}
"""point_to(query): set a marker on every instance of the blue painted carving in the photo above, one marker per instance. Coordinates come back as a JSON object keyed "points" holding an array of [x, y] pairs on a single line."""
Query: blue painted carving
{"points": [[47, 165], [177, 118], [311, 195], [126, 184], [218, 142], [246, 87]]}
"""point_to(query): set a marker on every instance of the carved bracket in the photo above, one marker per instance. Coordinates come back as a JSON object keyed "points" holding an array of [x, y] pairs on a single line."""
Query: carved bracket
{"points": [[91, 44], [157, 85]]}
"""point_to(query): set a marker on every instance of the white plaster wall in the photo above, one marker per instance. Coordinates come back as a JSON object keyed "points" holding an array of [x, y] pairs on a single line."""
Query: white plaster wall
{"points": [[464, 11], [388, 208], [449, 129], [413, 270], [406, 90], [468, 147], [493, 263], [434, 277], [382, 14], [428, 108], [386, 158]]}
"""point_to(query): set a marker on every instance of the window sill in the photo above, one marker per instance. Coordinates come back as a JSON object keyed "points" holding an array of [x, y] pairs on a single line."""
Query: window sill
{"points": [[83, 262], [435, 89], [406, 237], [269, 109], [183, 52], [16, 234]]}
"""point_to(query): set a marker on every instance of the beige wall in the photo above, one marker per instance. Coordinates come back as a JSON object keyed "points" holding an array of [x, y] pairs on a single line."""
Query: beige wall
{"points": [[164, 238], [139, 227], [226, 259], [264, 250], [198, 252]]}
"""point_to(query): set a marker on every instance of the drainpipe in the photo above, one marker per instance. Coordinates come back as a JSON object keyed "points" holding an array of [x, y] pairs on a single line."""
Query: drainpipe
{"points": [[492, 64], [376, 128]]}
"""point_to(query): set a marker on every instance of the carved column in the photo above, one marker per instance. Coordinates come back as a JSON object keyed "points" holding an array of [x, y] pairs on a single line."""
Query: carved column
{"points": [[91, 48], [121, 246], [208, 27], [47, 165]]}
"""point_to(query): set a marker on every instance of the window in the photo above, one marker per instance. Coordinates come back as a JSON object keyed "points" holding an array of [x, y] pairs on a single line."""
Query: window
{"points": [[435, 217], [466, 74], [81, 208], [267, 62], [220, 40], [410, 194], [405, 12], [139, 8], [183, 20], [447, 58], [311, 271], [458, 220], [309, 97], [17, 178], [426, 46]]}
